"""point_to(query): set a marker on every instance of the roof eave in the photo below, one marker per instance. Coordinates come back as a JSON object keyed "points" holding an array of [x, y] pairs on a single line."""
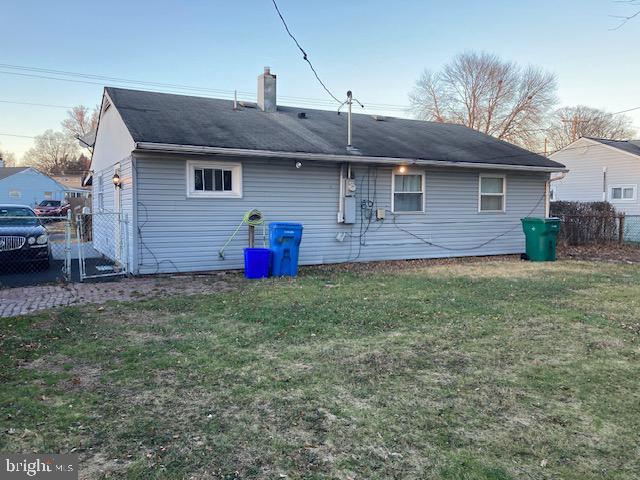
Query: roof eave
{"points": [[149, 147]]}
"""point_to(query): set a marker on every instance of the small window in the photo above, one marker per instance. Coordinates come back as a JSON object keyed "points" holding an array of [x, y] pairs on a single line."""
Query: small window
{"points": [[15, 194], [48, 195], [492, 192], [222, 180], [622, 193], [101, 193], [408, 192]]}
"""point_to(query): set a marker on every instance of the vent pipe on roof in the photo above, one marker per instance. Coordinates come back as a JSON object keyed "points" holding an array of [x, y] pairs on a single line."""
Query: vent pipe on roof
{"points": [[267, 91]]}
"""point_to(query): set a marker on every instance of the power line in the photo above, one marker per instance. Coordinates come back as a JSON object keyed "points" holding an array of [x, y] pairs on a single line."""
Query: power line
{"points": [[304, 54], [32, 104], [95, 79], [16, 135]]}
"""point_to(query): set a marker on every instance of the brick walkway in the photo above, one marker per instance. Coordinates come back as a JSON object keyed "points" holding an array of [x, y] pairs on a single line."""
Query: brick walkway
{"points": [[23, 300]]}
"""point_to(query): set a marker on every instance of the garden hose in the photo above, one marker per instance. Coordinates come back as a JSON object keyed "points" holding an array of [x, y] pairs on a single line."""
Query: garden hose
{"points": [[252, 218]]}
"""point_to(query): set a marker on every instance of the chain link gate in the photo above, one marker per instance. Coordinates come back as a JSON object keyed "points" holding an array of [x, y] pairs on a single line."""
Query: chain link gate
{"points": [[102, 244]]}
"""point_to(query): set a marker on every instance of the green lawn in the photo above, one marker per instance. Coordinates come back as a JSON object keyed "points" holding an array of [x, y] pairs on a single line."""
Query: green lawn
{"points": [[492, 370]]}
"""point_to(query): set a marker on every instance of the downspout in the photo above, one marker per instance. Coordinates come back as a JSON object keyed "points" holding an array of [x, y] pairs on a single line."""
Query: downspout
{"points": [[547, 189], [341, 197]]}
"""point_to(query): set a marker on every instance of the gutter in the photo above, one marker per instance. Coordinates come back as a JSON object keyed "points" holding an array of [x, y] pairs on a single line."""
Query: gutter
{"points": [[142, 147]]}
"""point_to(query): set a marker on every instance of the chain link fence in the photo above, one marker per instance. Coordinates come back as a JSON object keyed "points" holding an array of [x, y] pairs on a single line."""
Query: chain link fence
{"points": [[102, 244], [33, 249], [37, 250], [632, 229]]}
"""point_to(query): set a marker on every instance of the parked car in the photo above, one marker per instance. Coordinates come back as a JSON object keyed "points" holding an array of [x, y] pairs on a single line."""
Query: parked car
{"points": [[52, 208], [23, 239]]}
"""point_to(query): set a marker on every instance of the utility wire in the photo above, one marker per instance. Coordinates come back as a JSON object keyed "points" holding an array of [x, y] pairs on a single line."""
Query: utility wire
{"points": [[304, 54], [16, 135], [94, 79], [31, 104]]}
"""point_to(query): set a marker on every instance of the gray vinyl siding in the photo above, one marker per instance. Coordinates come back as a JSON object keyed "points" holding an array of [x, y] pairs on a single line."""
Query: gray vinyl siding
{"points": [[176, 233], [585, 180]]}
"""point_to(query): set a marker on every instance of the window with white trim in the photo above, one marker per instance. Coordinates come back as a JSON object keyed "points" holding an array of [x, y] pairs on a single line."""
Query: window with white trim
{"points": [[48, 195], [408, 191], [214, 180], [15, 194], [492, 193], [622, 193], [101, 193]]}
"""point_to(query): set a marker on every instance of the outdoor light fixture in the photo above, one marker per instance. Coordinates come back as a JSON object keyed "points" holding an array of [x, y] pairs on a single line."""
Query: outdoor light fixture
{"points": [[117, 183], [402, 169], [298, 164]]}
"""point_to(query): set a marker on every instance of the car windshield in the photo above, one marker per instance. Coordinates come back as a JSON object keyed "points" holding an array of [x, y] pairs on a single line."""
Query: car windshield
{"points": [[49, 203], [17, 216]]}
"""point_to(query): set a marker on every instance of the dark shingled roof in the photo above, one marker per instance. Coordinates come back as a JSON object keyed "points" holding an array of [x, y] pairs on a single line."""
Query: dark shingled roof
{"points": [[196, 121], [625, 145], [8, 171]]}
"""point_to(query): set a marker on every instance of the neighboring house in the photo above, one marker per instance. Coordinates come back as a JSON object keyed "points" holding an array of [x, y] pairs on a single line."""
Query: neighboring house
{"points": [[191, 167], [28, 186], [600, 170], [73, 185]]}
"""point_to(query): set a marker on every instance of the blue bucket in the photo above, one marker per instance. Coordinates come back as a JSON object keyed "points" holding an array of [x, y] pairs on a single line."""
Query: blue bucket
{"points": [[256, 262]]}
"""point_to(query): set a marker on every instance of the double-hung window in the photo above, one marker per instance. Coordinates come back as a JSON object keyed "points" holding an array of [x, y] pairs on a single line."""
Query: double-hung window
{"points": [[214, 180], [408, 192], [622, 193], [492, 193]]}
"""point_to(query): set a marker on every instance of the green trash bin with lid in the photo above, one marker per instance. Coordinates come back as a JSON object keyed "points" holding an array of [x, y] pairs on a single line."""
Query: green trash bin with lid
{"points": [[541, 236]]}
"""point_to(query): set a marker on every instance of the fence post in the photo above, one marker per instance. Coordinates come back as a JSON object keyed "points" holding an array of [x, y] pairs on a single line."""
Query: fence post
{"points": [[126, 244], [67, 247], [79, 228], [621, 228]]}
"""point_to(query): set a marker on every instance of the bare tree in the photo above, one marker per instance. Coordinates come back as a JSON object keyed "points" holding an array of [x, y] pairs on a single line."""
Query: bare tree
{"points": [[568, 124], [623, 19], [485, 93], [8, 158], [81, 121], [54, 153]]}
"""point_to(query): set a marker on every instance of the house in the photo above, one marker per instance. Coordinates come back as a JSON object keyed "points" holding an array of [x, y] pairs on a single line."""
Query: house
{"points": [[28, 186], [600, 170], [73, 185], [183, 170]]}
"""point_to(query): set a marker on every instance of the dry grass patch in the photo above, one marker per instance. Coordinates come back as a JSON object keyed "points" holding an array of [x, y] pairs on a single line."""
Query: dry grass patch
{"points": [[452, 370]]}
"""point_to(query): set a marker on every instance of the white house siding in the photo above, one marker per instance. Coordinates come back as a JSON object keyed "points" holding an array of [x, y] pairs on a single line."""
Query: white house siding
{"points": [[30, 187], [113, 140], [105, 219], [586, 160], [177, 233]]}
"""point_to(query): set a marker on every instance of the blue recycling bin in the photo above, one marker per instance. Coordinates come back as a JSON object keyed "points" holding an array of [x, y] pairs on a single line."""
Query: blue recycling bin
{"points": [[284, 241], [256, 262]]}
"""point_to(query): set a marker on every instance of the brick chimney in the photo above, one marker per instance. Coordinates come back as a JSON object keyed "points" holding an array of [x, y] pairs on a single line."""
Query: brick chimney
{"points": [[267, 91]]}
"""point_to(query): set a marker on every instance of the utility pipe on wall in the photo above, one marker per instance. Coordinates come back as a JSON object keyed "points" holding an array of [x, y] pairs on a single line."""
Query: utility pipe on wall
{"points": [[547, 188]]}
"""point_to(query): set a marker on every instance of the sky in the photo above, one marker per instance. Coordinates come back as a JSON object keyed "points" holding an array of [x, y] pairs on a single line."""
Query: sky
{"points": [[375, 48]]}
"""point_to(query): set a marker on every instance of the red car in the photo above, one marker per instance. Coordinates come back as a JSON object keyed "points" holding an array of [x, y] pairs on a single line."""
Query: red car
{"points": [[52, 208]]}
